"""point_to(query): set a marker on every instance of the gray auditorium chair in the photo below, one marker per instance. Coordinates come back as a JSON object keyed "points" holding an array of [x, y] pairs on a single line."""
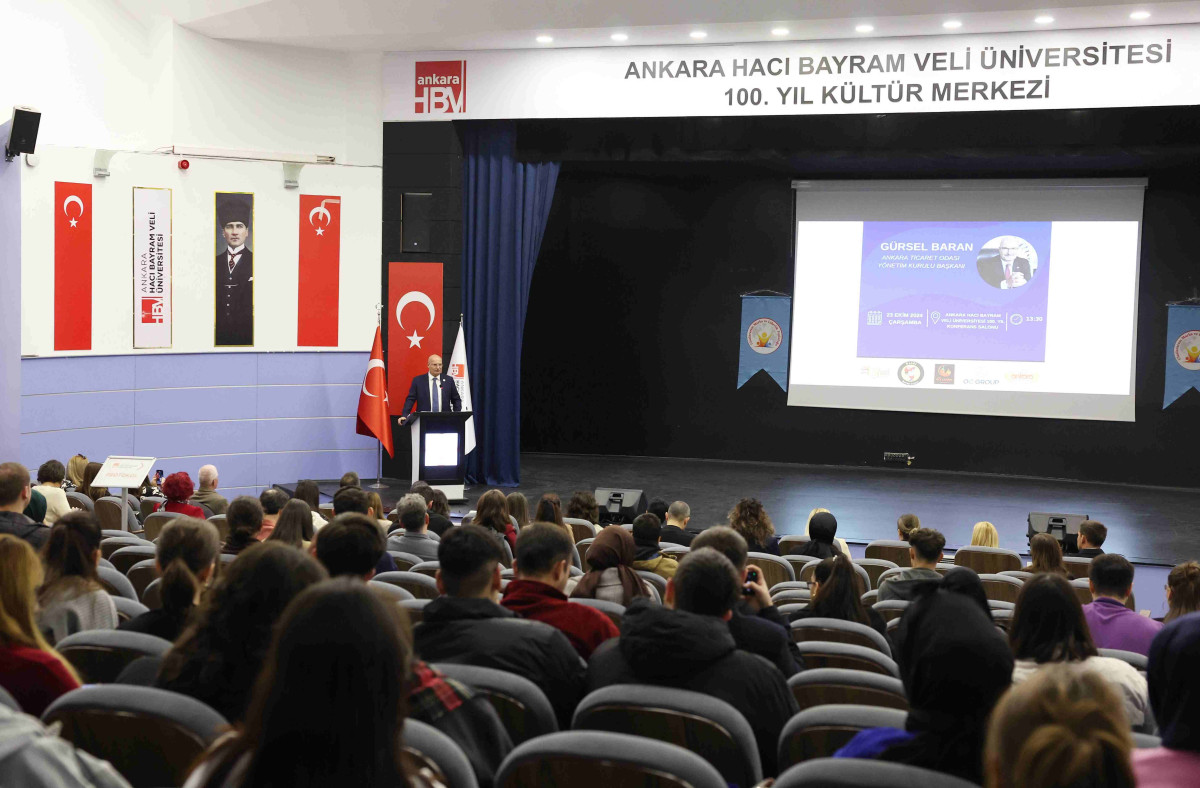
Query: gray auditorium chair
{"points": [[99, 655], [894, 550], [520, 704], [791, 596], [127, 608], [822, 654], [590, 758], [987, 560], [788, 608], [224, 559], [1020, 574], [864, 773], [125, 557], [822, 686], [427, 568], [171, 730], [582, 546], [414, 608], [115, 583], [424, 746], [614, 610], [142, 574], [105, 562], [775, 569], [78, 500], [581, 529], [874, 567], [676, 551], [1077, 567], [888, 574], [152, 595], [835, 630], [1082, 590], [788, 585], [1139, 661], [820, 731], [221, 524], [658, 582], [798, 564], [108, 512], [1002, 588], [8, 701], [111, 544], [404, 561], [420, 586], [147, 504], [790, 544], [999, 604], [108, 533], [155, 522], [893, 625], [1144, 741], [871, 597], [891, 608], [392, 592]]}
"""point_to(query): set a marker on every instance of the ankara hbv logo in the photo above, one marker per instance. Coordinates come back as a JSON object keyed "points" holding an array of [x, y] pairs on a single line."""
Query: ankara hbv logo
{"points": [[441, 87]]}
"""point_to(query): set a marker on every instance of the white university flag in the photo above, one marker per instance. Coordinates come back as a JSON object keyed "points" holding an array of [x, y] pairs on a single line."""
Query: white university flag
{"points": [[458, 371]]}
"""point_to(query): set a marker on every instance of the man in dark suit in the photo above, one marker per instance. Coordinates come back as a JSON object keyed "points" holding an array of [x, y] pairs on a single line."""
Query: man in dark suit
{"points": [[431, 392], [235, 274], [1006, 271]]}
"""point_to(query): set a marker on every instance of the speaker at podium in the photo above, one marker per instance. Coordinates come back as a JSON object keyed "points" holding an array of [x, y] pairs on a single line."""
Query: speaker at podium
{"points": [[438, 456]]}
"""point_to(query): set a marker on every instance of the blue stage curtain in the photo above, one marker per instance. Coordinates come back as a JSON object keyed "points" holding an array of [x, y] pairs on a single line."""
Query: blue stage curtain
{"points": [[506, 204]]}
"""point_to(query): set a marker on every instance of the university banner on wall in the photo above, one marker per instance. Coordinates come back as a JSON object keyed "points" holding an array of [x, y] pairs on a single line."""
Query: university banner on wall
{"points": [[414, 324], [1183, 351], [766, 324], [151, 268]]}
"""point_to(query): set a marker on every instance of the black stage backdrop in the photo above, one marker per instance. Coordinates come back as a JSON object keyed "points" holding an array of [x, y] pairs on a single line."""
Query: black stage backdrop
{"points": [[632, 335]]}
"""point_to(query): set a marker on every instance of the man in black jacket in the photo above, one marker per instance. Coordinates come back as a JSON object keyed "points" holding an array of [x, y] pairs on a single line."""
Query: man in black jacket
{"points": [[14, 497], [690, 647], [466, 626]]}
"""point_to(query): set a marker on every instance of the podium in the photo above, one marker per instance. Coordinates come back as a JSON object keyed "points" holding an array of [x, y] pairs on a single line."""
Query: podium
{"points": [[438, 440]]}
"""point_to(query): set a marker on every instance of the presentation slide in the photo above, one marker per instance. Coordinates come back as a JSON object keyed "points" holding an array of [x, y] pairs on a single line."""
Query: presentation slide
{"points": [[994, 298]]}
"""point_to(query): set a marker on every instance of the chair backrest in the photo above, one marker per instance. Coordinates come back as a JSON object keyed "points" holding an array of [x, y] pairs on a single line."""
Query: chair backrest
{"points": [[147, 504], [788, 585], [894, 550], [105, 562], [807, 570], [108, 512], [1076, 566], [864, 773], [115, 583], [792, 543], [581, 529], [142, 574], [424, 746], [798, 563], [78, 500], [890, 608], [596, 758], [427, 568], [613, 610], [405, 561], [520, 704], [8, 701], [414, 608], [420, 586], [775, 569], [1145, 741], [824, 654], [391, 592], [1139, 661], [874, 567], [111, 544], [835, 630], [677, 551], [221, 524], [791, 596], [1003, 588], [657, 581], [154, 523], [127, 608], [126, 556], [821, 686], [871, 597], [788, 607], [888, 574], [109, 533], [152, 594], [1082, 590], [100, 654], [582, 546], [1020, 574], [695, 721], [987, 560], [170, 730], [820, 731]]}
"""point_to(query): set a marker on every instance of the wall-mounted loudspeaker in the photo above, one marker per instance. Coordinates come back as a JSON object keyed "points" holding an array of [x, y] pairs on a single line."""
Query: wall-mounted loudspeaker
{"points": [[415, 222], [22, 136]]}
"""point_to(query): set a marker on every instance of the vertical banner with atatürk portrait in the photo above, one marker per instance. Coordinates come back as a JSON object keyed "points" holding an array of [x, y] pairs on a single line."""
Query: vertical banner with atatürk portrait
{"points": [[234, 270], [151, 268]]}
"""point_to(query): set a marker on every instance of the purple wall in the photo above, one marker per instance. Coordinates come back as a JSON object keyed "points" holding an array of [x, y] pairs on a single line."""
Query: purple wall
{"points": [[10, 302]]}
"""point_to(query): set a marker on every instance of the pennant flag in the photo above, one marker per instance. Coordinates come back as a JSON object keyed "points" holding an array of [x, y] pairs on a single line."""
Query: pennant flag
{"points": [[458, 371], [414, 322], [72, 266], [1183, 351], [373, 413], [766, 325], [320, 261]]}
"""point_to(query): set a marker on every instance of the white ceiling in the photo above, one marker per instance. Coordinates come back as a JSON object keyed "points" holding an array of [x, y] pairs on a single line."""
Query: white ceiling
{"points": [[428, 25]]}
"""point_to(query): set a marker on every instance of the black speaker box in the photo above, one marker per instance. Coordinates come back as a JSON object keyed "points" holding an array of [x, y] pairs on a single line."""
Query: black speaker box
{"points": [[415, 228], [22, 137], [620, 506]]}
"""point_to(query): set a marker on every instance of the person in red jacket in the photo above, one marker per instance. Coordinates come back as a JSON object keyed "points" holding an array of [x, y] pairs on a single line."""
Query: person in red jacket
{"points": [[177, 488], [542, 567]]}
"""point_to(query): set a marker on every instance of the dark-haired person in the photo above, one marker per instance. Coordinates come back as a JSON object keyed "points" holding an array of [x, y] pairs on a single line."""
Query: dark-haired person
{"points": [[244, 518], [1091, 536], [466, 626], [15, 493], [177, 489], [186, 555], [352, 500], [583, 506], [308, 491], [822, 536], [518, 508], [687, 644], [272, 500], [549, 510], [1046, 555], [658, 507], [1048, 626], [350, 546], [674, 528], [50, 477], [1175, 698], [1111, 623], [648, 556], [491, 513], [221, 652], [837, 593], [905, 525], [294, 525], [207, 496], [925, 547], [413, 536], [612, 577], [542, 567], [71, 598], [750, 519], [330, 704], [36, 509], [437, 504], [1183, 591]]}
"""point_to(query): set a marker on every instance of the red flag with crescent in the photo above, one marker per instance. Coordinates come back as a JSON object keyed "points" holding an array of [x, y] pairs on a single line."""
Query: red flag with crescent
{"points": [[414, 323], [373, 416], [72, 266], [320, 250]]}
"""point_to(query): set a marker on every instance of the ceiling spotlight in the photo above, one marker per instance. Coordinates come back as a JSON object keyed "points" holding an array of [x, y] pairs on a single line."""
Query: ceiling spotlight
{"points": [[1044, 20], [619, 37], [698, 34], [544, 39], [952, 24], [1140, 15], [779, 31], [864, 28]]}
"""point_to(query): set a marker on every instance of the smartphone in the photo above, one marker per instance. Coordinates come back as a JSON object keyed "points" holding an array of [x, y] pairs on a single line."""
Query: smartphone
{"points": [[751, 577]]}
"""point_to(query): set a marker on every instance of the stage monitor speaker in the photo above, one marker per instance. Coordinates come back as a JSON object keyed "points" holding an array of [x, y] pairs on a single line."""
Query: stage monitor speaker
{"points": [[620, 506], [22, 137], [1063, 527], [415, 229]]}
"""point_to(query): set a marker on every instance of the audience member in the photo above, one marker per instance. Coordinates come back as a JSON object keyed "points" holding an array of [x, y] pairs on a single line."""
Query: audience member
{"points": [[36, 508], [352, 500], [376, 505], [1183, 591], [906, 524], [955, 665], [72, 598], [822, 537], [308, 491], [518, 508], [549, 510], [415, 539], [244, 518], [984, 534], [350, 545], [272, 501], [541, 567], [330, 704], [467, 626], [965, 581], [1048, 626], [218, 656], [925, 547], [1175, 699], [50, 477], [659, 508], [612, 576], [583, 506], [756, 624], [674, 530], [648, 556], [90, 471], [349, 481], [1111, 623], [687, 644], [1046, 555], [837, 593], [177, 489], [439, 507], [32, 672], [1061, 729], [1091, 535], [293, 525], [838, 542], [75, 468], [186, 555], [750, 519], [14, 497], [491, 514], [207, 495]]}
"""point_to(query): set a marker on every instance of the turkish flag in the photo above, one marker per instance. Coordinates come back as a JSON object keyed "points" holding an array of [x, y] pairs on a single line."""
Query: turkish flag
{"points": [[373, 416], [414, 323], [320, 258], [72, 266]]}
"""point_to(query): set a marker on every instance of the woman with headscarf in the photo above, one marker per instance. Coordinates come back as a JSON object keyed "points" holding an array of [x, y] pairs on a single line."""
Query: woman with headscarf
{"points": [[822, 531], [955, 665], [839, 542], [1175, 699], [612, 576]]}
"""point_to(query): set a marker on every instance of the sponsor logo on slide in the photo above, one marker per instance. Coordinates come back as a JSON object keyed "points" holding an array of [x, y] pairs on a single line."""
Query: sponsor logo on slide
{"points": [[943, 373], [764, 336], [1187, 350], [980, 382], [910, 373], [1021, 377]]}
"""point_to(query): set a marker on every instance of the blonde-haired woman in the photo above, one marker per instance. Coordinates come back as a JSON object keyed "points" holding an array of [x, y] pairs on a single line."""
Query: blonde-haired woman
{"points": [[984, 534], [75, 468], [32, 672], [837, 540]]}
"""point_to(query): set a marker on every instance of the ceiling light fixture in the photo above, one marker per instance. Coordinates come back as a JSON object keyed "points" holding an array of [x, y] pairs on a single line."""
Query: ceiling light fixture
{"points": [[1140, 15], [619, 37], [545, 39], [952, 24], [779, 31], [698, 34], [864, 29], [1044, 20]]}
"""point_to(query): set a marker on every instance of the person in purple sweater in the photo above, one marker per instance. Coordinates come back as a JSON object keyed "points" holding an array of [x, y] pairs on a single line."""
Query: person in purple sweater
{"points": [[1112, 624]]}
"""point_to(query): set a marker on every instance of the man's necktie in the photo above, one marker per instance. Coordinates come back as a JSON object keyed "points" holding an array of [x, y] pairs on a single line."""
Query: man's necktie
{"points": [[436, 398], [1008, 274]]}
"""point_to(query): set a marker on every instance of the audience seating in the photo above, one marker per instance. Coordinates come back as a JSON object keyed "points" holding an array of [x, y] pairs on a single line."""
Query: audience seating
{"points": [[427, 568], [414, 607], [582, 546], [521, 705], [1002, 618], [788, 585], [405, 561], [774, 569], [787, 608], [871, 597], [142, 574], [998, 604], [592, 758], [1001, 587], [99, 655], [791, 595], [424, 746], [115, 583], [799, 562], [105, 562], [942, 569], [677, 551], [154, 523], [893, 625], [152, 595], [125, 557], [821, 731], [581, 529], [821, 686], [1145, 741], [835, 630], [792, 543], [108, 511], [613, 610], [8, 701], [874, 567], [692, 720], [147, 504], [1020, 574], [78, 500], [221, 524], [987, 560], [864, 773], [171, 730], [420, 586], [111, 544], [225, 558], [326, 511], [106, 533], [1139, 661], [657, 582], [806, 572], [890, 608], [576, 559], [127, 608], [1082, 590], [823, 654], [894, 550], [1076, 566], [394, 593]]}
